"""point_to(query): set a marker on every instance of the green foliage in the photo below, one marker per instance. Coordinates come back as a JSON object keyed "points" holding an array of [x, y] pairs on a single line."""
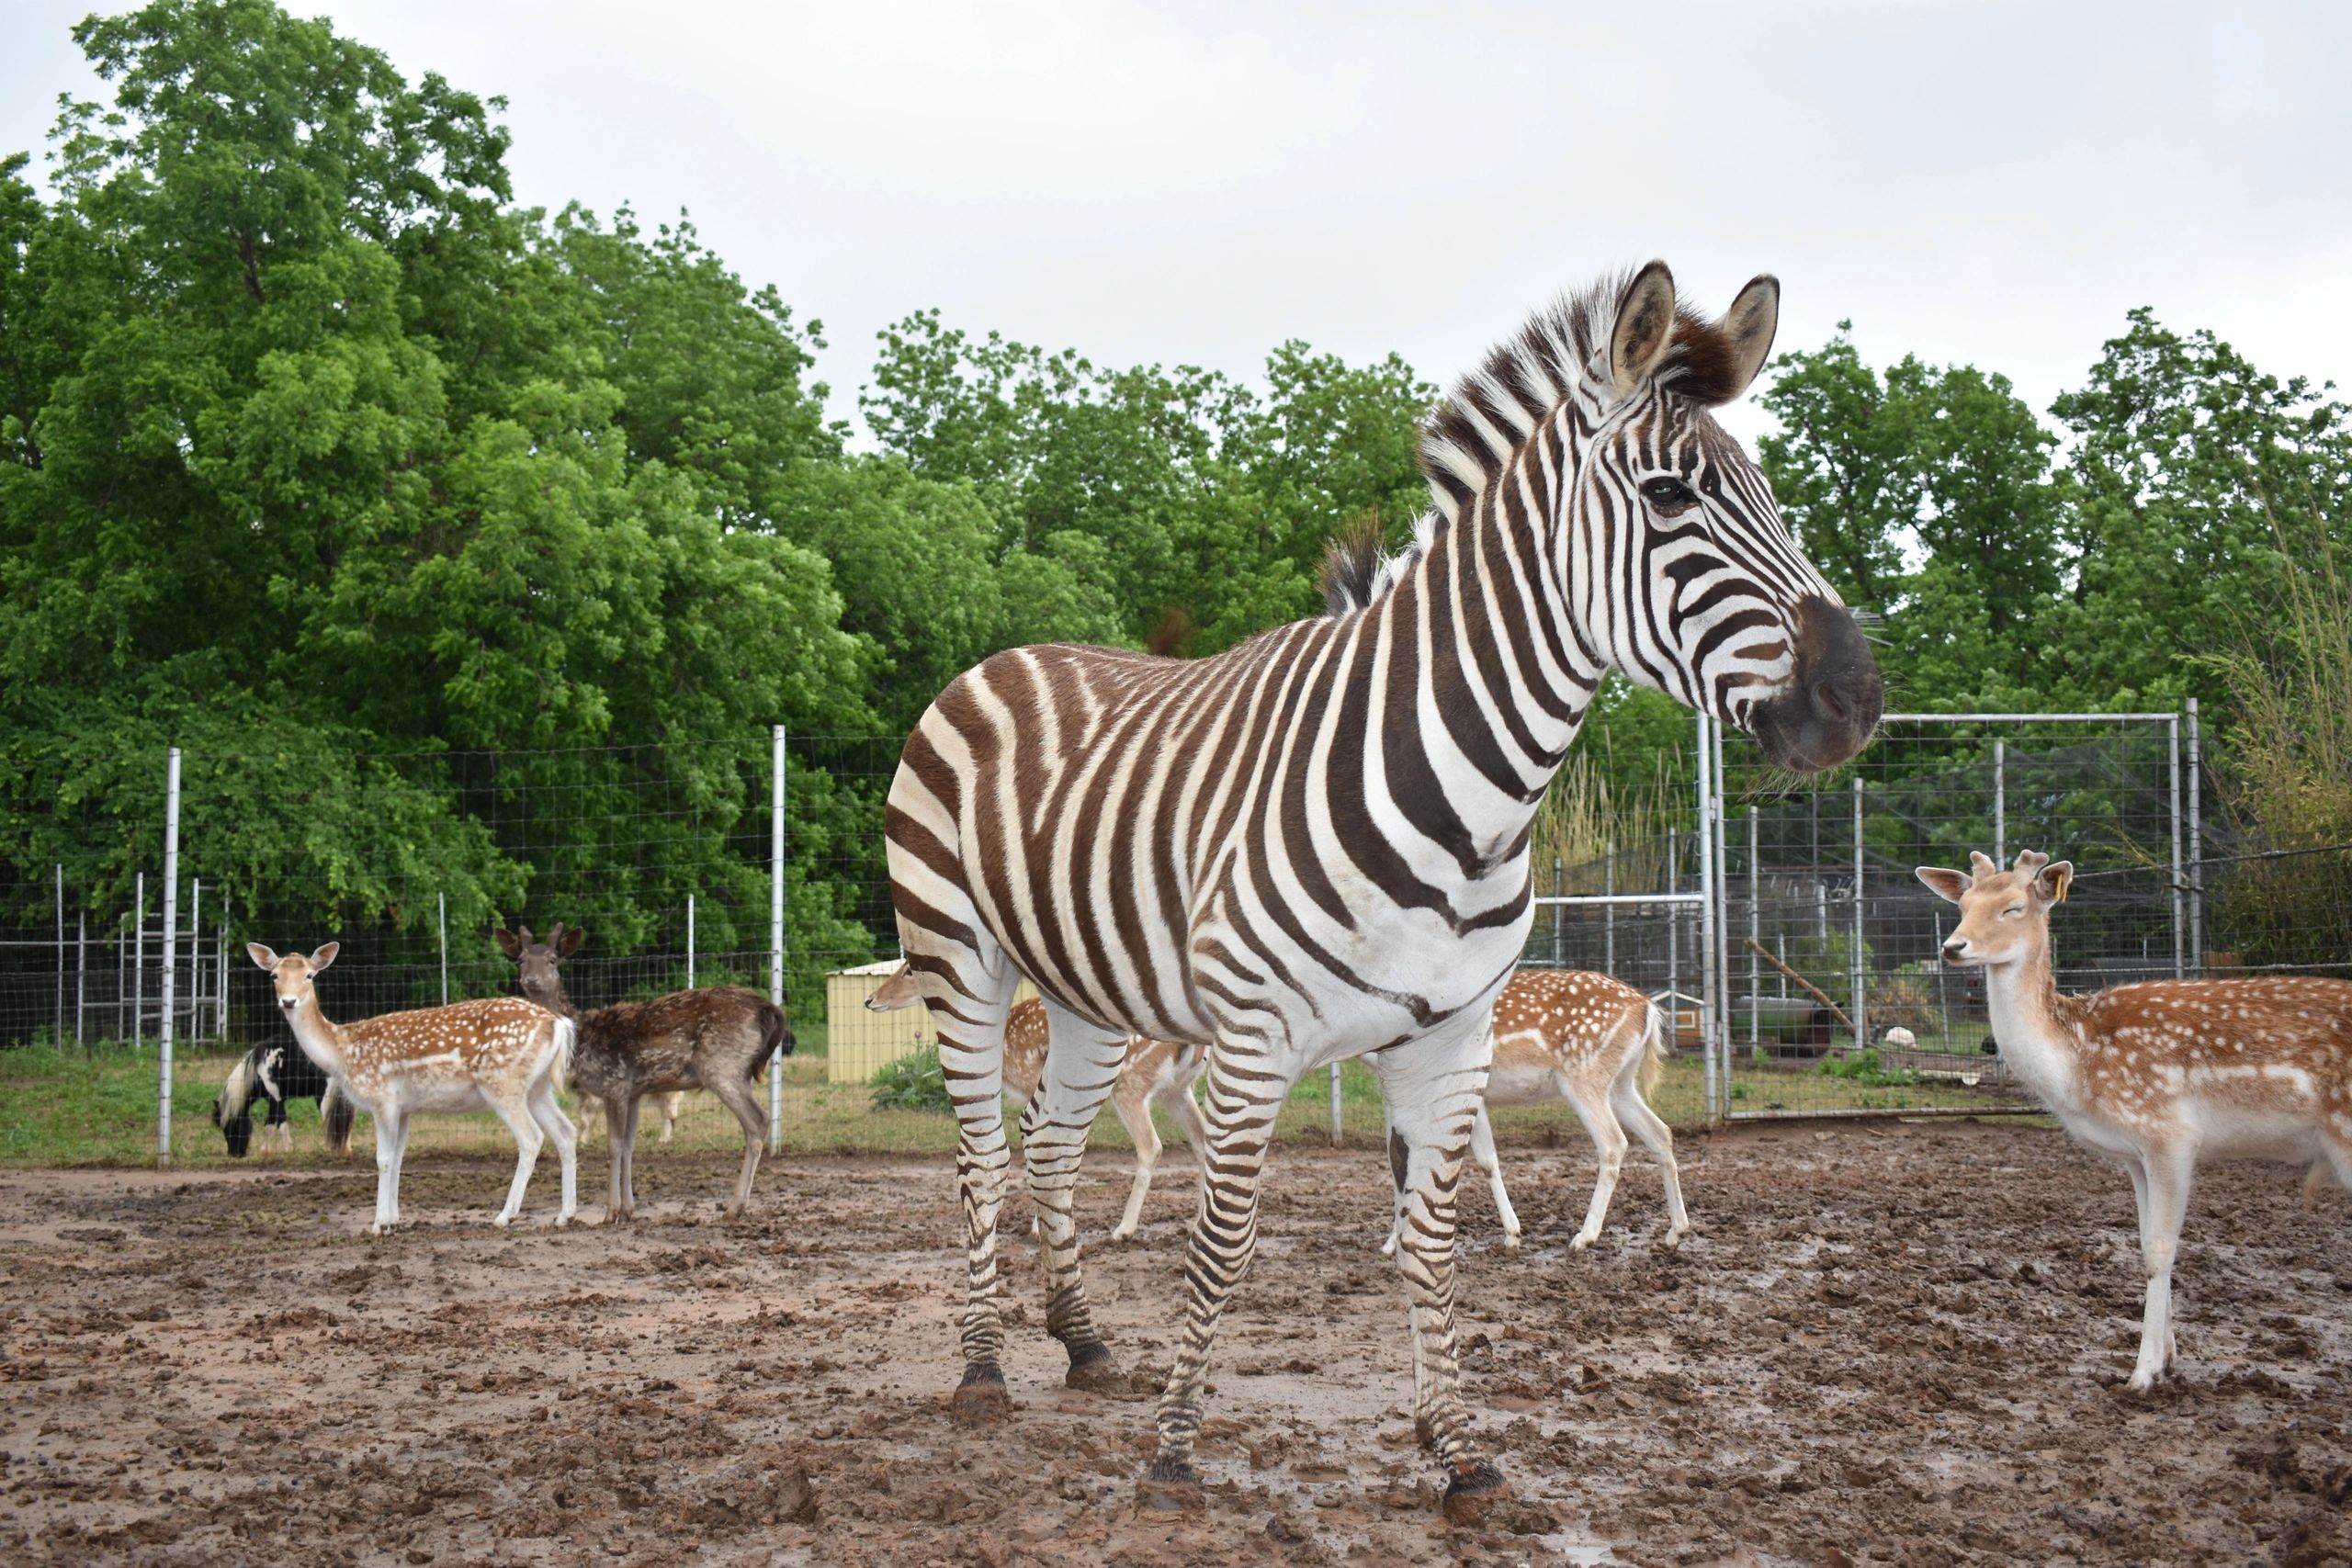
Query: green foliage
{"points": [[913, 1082], [1865, 1067]]}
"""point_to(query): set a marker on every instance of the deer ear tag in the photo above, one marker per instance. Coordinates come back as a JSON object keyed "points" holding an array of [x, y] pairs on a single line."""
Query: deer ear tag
{"points": [[2065, 881]]}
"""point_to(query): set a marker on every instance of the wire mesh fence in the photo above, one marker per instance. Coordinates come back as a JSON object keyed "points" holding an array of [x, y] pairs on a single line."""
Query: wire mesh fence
{"points": [[1779, 924]]}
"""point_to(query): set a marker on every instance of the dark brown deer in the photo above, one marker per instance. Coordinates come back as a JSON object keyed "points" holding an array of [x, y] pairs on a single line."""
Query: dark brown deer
{"points": [[716, 1037]]}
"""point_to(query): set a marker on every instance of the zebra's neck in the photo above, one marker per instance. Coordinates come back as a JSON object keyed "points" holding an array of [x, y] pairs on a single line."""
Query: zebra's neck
{"points": [[1481, 625]]}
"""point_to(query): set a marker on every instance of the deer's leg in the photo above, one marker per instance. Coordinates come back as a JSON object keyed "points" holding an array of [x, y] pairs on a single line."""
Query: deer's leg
{"points": [[670, 1107], [616, 1168], [1135, 1115], [557, 1125], [2169, 1167], [1482, 1150], [632, 1112], [1242, 1108], [516, 1114], [391, 1133], [1608, 1142], [1634, 1112], [1083, 1066], [1435, 1086], [753, 1117]]}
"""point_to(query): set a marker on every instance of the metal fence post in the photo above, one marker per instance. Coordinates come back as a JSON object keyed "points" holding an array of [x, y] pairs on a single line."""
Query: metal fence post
{"points": [[776, 936], [1558, 888], [170, 914], [138, 969], [1609, 910], [1862, 1024], [1335, 1105], [195, 957], [57, 1036], [441, 907], [2196, 847], [2179, 897], [1707, 919], [690, 941], [1755, 934], [2000, 803], [81, 968], [1720, 838]]}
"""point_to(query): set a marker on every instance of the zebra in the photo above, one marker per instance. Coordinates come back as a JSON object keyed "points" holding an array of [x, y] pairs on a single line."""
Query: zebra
{"points": [[1314, 845]]}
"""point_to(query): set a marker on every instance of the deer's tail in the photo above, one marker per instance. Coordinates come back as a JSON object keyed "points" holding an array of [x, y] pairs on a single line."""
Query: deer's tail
{"points": [[336, 1111], [567, 1036], [1654, 1049], [775, 1036]]}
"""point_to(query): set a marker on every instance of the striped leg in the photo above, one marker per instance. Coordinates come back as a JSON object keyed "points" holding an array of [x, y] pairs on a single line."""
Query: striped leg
{"points": [[1434, 1087], [971, 1059], [1082, 1065], [1239, 1128]]}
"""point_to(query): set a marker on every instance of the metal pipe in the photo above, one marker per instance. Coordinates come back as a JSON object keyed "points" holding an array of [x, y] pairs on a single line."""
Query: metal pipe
{"points": [[57, 1036], [139, 971], [195, 956], [1556, 879], [2000, 803], [775, 935], [2179, 899], [1755, 932], [1707, 916], [1861, 1021], [2196, 845], [441, 902], [170, 914], [81, 967], [2024, 717], [690, 941], [1609, 910], [1615, 898], [1335, 1105]]}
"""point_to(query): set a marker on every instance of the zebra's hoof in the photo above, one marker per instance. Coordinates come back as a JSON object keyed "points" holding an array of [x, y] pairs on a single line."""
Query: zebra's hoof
{"points": [[1171, 1486], [1472, 1491], [980, 1399], [1092, 1370]]}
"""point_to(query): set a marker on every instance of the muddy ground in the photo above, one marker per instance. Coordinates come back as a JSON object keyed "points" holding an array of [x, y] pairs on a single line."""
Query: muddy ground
{"points": [[1894, 1343]]}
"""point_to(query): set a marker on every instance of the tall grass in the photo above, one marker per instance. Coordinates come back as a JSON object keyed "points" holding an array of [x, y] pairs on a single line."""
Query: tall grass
{"points": [[1585, 817]]}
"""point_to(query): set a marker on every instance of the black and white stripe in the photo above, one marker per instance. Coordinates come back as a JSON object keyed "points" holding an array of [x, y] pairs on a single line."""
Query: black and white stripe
{"points": [[1314, 845]]}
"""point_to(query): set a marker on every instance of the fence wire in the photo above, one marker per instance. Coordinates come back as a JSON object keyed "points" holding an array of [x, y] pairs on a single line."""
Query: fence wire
{"points": [[1782, 988]]}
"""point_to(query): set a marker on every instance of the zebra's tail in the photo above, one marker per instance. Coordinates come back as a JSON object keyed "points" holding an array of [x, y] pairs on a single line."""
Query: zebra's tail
{"points": [[231, 1108], [1654, 1050], [336, 1111]]}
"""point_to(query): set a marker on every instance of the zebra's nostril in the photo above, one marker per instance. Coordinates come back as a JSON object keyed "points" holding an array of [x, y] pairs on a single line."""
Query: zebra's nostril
{"points": [[1830, 702]]}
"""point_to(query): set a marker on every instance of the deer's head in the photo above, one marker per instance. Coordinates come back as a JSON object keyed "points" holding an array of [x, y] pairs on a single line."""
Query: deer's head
{"points": [[292, 974], [898, 991], [2004, 915], [541, 960]]}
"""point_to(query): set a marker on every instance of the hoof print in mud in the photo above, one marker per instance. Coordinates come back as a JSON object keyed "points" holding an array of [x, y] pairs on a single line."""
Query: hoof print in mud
{"points": [[1093, 1370], [1470, 1497], [981, 1398]]}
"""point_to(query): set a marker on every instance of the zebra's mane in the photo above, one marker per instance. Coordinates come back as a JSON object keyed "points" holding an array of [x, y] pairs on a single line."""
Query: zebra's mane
{"points": [[1473, 434]]}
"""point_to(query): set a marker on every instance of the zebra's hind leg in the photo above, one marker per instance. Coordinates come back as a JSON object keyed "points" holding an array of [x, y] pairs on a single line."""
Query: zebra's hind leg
{"points": [[968, 1003], [1433, 1086], [1082, 1064], [1239, 1127]]}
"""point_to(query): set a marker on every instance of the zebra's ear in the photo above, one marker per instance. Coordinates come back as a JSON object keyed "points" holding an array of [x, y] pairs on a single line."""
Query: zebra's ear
{"points": [[1750, 324], [1645, 327], [263, 957]]}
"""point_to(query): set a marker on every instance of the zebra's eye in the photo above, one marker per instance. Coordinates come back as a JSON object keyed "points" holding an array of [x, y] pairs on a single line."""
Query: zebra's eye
{"points": [[1669, 493]]}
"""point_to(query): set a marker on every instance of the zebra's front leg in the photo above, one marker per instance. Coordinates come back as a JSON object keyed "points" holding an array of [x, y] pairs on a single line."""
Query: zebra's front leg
{"points": [[1434, 1088], [1240, 1129], [971, 1060], [1082, 1064]]}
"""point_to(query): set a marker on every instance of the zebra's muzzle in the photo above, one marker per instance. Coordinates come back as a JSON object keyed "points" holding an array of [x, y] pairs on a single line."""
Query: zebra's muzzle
{"points": [[1832, 704]]}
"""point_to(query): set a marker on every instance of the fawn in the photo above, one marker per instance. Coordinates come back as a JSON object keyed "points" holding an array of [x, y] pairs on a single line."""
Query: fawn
{"points": [[2160, 1074], [500, 1053]]}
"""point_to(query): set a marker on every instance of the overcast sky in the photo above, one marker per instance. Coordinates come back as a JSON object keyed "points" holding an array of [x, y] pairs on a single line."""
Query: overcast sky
{"points": [[1194, 183]]}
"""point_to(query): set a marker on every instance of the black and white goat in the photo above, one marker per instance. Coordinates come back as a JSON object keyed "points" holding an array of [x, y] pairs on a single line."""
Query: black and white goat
{"points": [[276, 1074]]}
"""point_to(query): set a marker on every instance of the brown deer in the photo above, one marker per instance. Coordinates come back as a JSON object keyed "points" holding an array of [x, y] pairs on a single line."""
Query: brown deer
{"points": [[499, 1052], [2157, 1075], [1599, 1045], [1157, 1073], [716, 1037]]}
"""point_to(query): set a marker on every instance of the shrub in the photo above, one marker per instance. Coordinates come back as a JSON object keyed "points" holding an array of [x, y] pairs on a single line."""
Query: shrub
{"points": [[913, 1082], [1866, 1066]]}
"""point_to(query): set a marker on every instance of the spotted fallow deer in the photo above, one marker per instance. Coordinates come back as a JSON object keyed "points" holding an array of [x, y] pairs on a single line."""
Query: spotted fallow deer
{"points": [[1155, 1073], [2157, 1075], [502, 1052], [1599, 1045]]}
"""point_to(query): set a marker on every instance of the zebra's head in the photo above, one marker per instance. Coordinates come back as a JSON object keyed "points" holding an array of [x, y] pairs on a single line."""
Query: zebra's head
{"points": [[1659, 533]]}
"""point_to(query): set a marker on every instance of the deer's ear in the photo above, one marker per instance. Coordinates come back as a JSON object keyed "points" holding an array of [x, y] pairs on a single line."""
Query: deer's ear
{"points": [[1945, 885], [324, 955], [261, 956], [2056, 878], [508, 942], [1645, 327], [566, 942]]}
